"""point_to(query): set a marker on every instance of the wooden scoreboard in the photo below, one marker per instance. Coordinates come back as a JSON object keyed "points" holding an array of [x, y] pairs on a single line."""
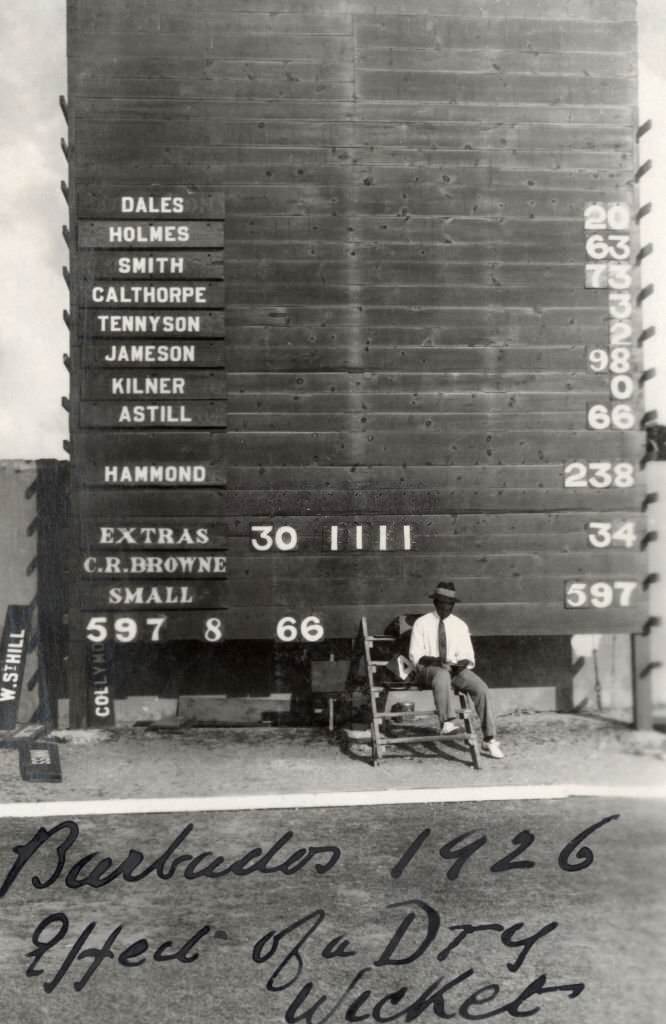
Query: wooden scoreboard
{"points": [[354, 307]]}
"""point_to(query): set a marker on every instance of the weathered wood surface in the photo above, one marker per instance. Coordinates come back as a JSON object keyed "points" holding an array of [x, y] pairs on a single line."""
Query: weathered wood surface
{"points": [[403, 325]]}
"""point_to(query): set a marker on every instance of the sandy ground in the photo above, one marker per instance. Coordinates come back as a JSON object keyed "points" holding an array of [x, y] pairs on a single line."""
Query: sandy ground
{"points": [[541, 748]]}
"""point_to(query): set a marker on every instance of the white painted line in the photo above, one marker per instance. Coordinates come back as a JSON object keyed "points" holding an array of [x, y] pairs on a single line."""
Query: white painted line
{"points": [[363, 798]]}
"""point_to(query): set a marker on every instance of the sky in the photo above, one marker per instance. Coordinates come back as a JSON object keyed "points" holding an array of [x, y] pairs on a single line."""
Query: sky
{"points": [[32, 212]]}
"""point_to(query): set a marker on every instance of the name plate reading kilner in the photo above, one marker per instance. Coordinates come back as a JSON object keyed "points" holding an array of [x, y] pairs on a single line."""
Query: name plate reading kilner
{"points": [[144, 384]]}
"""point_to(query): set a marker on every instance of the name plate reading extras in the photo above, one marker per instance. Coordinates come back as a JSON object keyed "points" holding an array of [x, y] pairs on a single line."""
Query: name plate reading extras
{"points": [[181, 565], [155, 627], [151, 235], [156, 459], [153, 325], [140, 384], [155, 414], [131, 353], [183, 201], [131, 594], [165, 533]]}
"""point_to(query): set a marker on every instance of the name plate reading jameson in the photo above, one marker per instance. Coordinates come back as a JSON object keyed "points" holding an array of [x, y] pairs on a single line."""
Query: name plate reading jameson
{"points": [[133, 353], [205, 325], [159, 414], [167, 533]]}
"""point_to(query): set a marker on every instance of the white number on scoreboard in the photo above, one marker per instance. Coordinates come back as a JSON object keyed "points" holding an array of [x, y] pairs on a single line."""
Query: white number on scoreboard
{"points": [[309, 629], [599, 593], [599, 474], [265, 538], [605, 534], [616, 417]]}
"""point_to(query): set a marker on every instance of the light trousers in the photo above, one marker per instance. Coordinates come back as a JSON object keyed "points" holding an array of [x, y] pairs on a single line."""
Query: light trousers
{"points": [[445, 683]]}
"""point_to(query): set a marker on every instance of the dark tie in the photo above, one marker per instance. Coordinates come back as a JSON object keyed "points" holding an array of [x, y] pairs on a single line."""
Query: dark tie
{"points": [[442, 642]]}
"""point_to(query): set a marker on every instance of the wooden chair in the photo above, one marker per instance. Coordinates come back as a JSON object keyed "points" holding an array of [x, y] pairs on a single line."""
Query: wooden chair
{"points": [[381, 740]]}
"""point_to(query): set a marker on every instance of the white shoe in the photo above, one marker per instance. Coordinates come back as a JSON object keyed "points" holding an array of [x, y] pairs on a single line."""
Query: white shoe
{"points": [[449, 727], [492, 748]]}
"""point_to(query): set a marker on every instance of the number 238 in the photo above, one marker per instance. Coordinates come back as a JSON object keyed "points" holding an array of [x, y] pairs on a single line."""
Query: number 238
{"points": [[599, 474]]}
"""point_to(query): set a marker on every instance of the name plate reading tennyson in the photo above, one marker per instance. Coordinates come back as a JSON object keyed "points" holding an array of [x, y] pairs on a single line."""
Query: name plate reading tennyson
{"points": [[206, 325]]}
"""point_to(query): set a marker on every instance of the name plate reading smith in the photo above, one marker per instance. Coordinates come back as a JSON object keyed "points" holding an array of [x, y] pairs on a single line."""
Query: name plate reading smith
{"points": [[186, 265]]}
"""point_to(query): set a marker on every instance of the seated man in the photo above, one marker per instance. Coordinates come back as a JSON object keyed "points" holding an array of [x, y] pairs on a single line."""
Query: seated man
{"points": [[441, 647]]}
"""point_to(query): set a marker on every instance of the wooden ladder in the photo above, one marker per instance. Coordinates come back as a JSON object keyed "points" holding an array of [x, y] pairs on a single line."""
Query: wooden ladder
{"points": [[380, 741]]}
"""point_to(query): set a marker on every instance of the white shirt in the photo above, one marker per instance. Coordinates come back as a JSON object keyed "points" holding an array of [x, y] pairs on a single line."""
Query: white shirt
{"points": [[424, 640]]}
